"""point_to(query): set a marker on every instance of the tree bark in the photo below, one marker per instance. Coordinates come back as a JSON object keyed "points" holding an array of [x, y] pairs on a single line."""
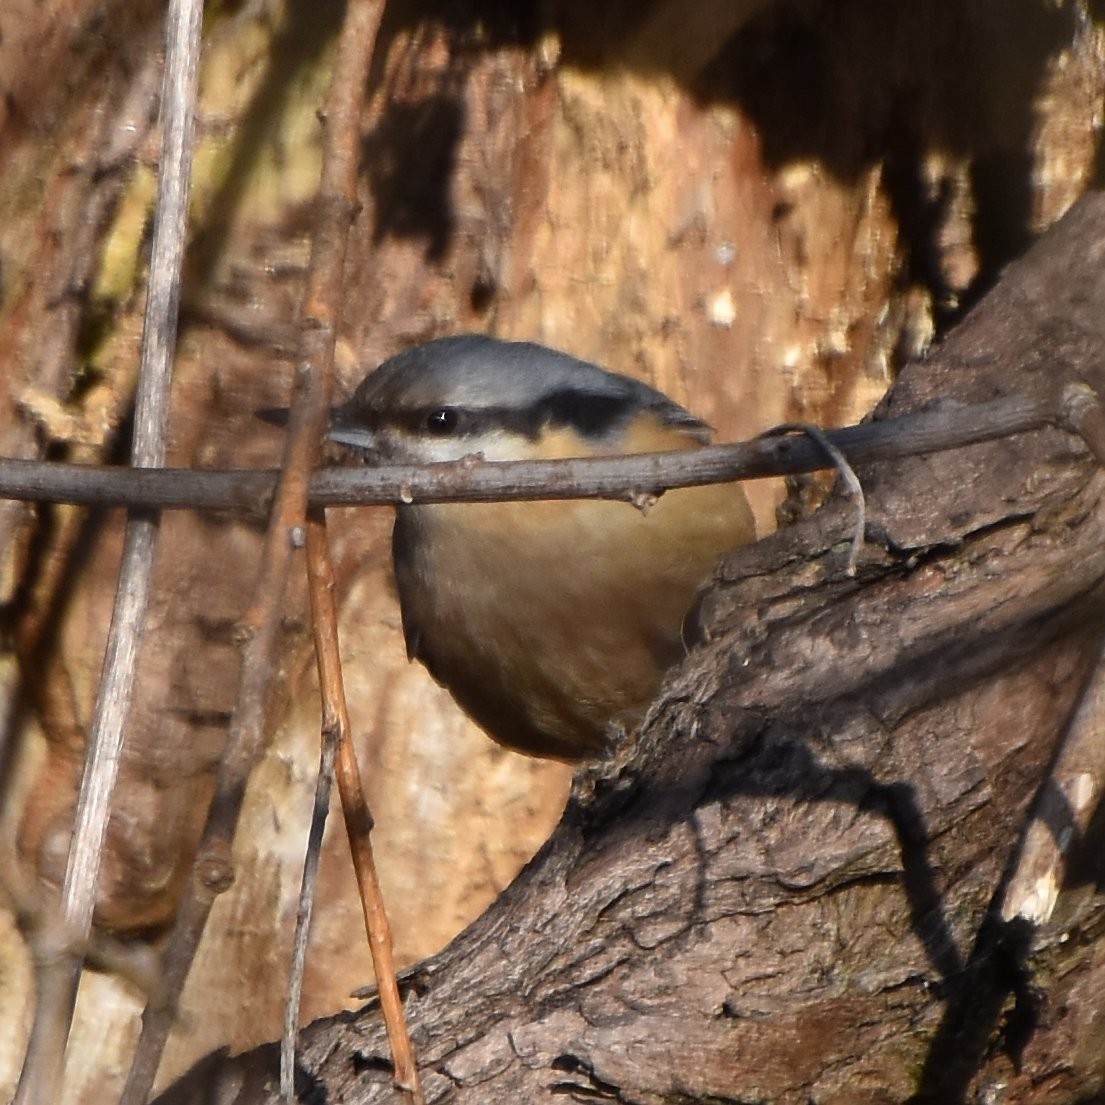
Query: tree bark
{"points": [[784, 889], [755, 206]]}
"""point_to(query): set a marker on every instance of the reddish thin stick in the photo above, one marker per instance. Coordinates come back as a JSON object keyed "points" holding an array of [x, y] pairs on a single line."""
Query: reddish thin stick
{"points": [[358, 817], [336, 205]]}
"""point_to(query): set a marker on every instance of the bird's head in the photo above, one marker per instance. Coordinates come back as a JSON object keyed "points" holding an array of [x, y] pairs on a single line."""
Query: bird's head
{"points": [[474, 395]]}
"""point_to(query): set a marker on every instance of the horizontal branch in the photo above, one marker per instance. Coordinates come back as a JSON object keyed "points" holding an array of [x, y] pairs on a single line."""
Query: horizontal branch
{"points": [[941, 427]]}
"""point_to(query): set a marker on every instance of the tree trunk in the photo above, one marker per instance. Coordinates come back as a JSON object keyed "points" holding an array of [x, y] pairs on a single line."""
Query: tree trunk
{"points": [[756, 206], [785, 890]]}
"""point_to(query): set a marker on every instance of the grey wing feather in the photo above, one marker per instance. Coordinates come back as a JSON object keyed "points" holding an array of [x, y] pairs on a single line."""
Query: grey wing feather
{"points": [[675, 415]]}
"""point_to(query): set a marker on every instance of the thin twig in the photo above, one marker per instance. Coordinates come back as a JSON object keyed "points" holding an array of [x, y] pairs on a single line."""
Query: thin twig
{"points": [[319, 812], [244, 491], [337, 196], [212, 871], [358, 817], [847, 473], [60, 962]]}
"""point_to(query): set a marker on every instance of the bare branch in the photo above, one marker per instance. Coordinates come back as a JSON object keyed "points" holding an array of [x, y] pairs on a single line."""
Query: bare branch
{"points": [[943, 426], [358, 817], [338, 185], [319, 812], [60, 971]]}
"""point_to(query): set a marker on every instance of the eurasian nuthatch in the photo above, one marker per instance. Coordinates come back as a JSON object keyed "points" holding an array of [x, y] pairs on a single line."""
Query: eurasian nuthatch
{"points": [[546, 620]]}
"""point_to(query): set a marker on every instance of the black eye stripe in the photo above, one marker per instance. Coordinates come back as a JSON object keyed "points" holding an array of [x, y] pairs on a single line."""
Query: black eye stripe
{"points": [[591, 414], [441, 421]]}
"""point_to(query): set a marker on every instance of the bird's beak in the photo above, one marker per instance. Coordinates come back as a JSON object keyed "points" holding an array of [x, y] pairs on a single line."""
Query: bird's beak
{"points": [[346, 430], [343, 428]]}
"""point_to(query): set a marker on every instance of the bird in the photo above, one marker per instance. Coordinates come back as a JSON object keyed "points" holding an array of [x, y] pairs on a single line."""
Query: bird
{"points": [[551, 623]]}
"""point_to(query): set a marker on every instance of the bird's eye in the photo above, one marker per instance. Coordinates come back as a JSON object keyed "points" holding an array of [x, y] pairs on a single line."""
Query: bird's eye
{"points": [[442, 421]]}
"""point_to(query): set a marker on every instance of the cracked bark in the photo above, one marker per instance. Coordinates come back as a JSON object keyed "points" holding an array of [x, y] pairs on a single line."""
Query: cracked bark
{"points": [[782, 889]]}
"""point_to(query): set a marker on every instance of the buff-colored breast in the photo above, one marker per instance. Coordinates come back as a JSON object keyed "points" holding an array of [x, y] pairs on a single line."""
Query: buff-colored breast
{"points": [[549, 620]]}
